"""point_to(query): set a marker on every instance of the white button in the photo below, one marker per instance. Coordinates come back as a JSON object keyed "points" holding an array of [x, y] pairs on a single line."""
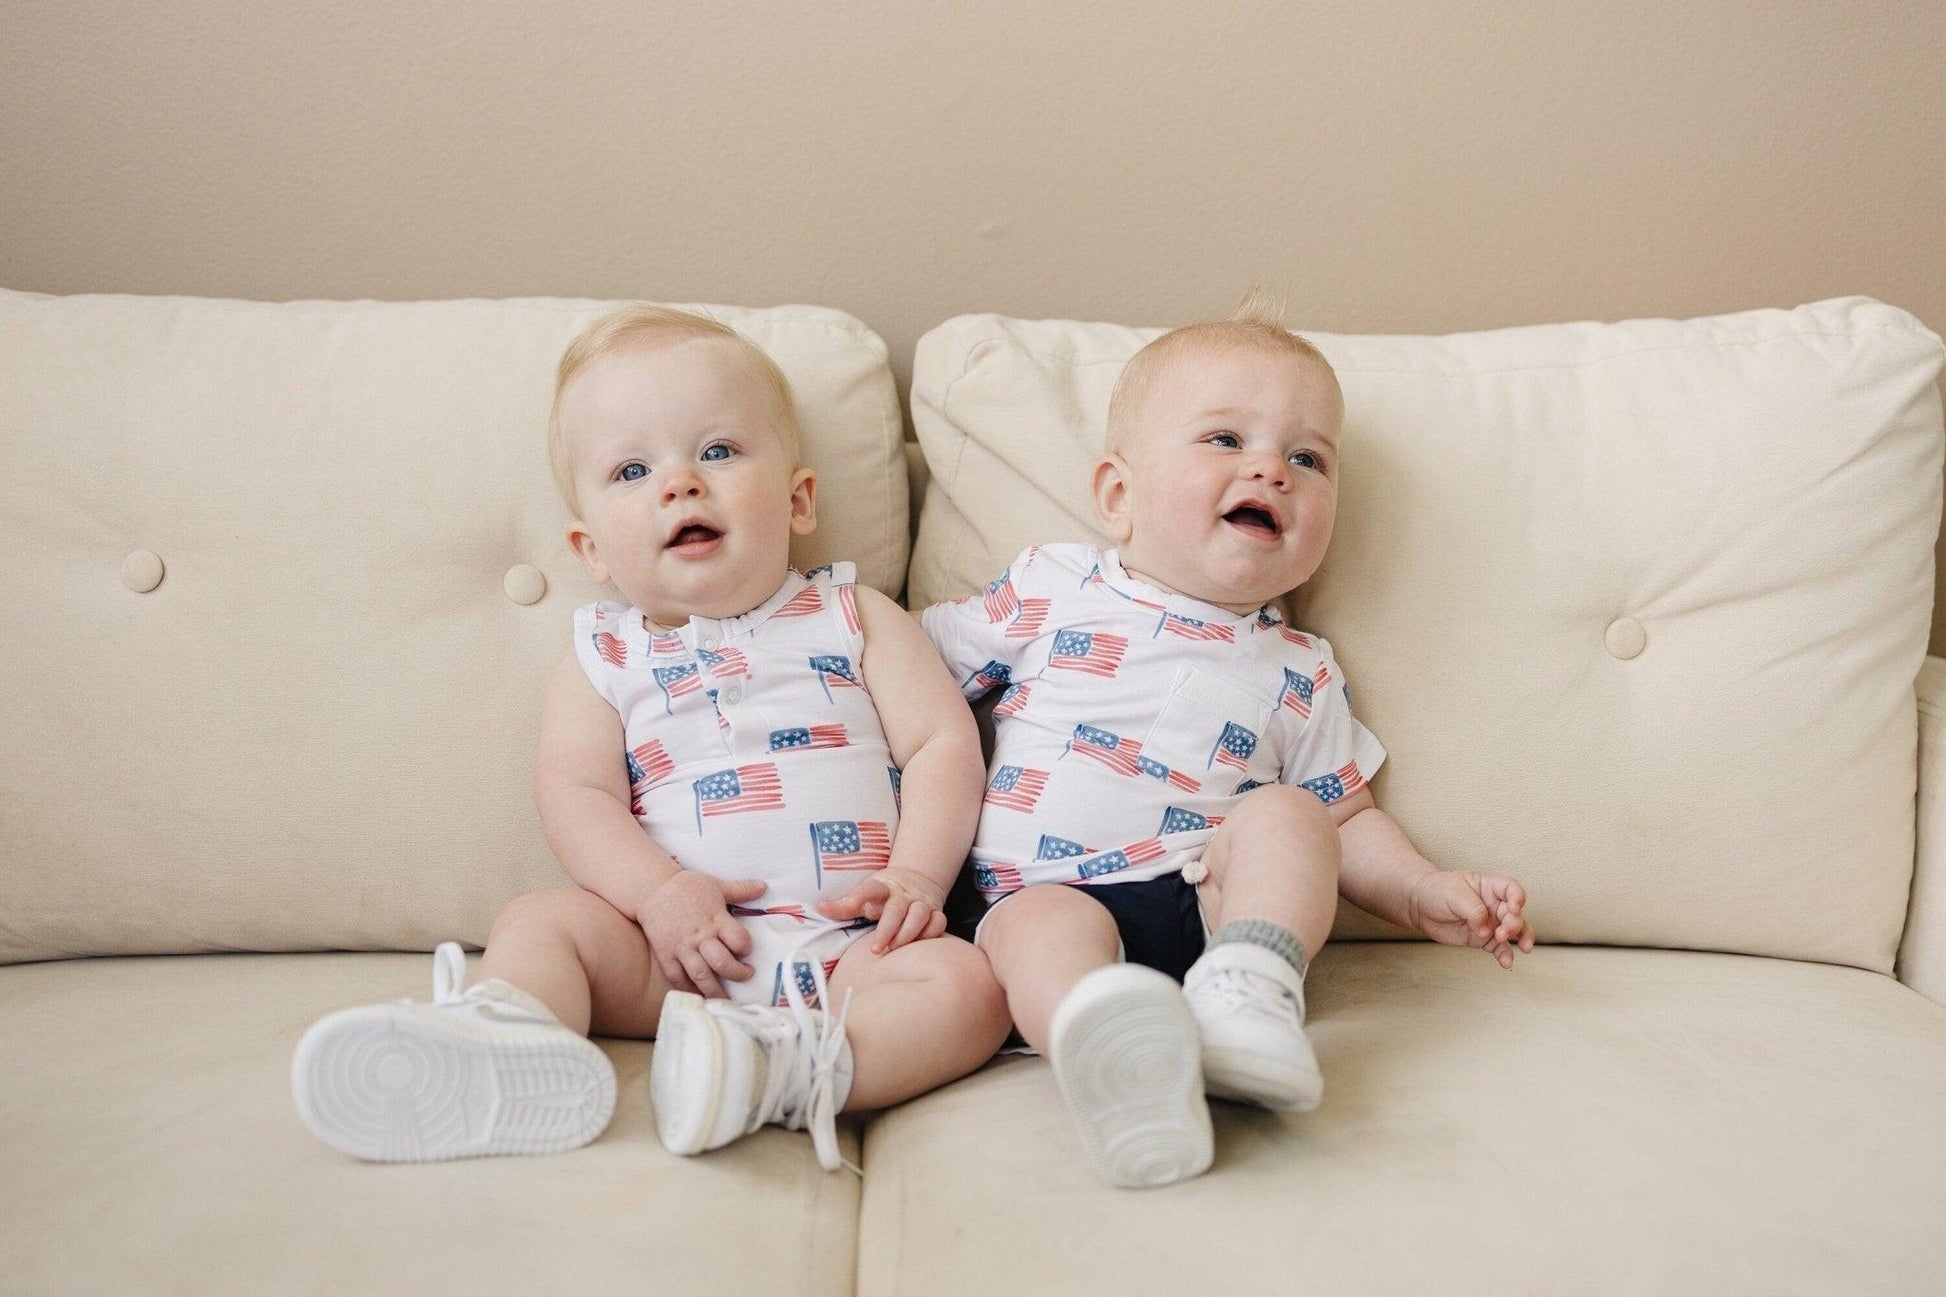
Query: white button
{"points": [[1626, 638], [710, 641], [142, 571], [733, 695], [524, 584]]}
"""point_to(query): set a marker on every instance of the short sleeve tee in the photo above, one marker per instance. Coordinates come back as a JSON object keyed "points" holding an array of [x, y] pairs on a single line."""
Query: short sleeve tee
{"points": [[1133, 720]]}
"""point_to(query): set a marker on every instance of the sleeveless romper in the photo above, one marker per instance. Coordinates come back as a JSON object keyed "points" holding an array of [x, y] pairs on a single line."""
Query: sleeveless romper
{"points": [[754, 751]]}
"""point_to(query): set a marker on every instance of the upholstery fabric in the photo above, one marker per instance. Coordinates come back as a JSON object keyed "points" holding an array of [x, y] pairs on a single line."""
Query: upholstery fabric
{"points": [[1636, 608], [1594, 1121], [317, 730], [1922, 954], [152, 1147]]}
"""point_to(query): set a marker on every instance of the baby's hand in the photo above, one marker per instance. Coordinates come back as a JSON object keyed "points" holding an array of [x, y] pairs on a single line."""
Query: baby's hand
{"points": [[693, 935], [908, 907], [1462, 908]]}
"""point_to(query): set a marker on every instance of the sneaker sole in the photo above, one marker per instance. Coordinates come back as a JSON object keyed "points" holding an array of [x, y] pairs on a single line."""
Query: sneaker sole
{"points": [[1128, 1060], [686, 1074], [388, 1084], [1279, 1085]]}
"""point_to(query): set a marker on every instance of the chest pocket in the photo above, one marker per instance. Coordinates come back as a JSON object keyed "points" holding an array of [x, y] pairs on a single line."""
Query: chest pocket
{"points": [[1214, 732]]}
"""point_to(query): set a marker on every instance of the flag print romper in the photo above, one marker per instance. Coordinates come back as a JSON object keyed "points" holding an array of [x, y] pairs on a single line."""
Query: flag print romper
{"points": [[754, 751]]}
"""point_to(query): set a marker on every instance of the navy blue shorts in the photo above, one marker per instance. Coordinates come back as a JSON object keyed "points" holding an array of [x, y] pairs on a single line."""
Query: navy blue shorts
{"points": [[1158, 919]]}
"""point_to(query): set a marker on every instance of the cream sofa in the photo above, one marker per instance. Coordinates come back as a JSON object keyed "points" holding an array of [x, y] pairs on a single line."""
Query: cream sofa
{"points": [[1639, 610]]}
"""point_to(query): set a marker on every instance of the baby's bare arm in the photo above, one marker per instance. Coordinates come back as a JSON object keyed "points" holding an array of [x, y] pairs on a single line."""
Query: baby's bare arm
{"points": [[581, 788], [1378, 865], [933, 738]]}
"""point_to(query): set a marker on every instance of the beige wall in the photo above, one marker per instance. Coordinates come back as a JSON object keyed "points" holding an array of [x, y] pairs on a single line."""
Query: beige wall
{"points": [[1397, 167]]}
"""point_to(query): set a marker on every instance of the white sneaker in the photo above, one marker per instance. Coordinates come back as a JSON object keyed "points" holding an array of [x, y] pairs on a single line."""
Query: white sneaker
{"points": [[722, 1070], [1249, 1003], [1127, 1058], [474, 1073]]}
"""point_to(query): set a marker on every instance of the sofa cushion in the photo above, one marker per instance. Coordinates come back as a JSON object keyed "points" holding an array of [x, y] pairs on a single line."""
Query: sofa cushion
{"points": [[318, 729], [1596, 1121], [152, 1145], [1636, 608]]}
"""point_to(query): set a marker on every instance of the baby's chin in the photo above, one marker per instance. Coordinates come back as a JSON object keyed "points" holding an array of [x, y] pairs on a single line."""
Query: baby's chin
{"points": [[670, 609]]}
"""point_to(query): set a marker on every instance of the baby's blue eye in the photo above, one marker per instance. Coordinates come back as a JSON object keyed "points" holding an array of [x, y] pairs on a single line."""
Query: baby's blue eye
{"points": [[633, 472], [1305, 459], [1225, 439], [710, 455]]}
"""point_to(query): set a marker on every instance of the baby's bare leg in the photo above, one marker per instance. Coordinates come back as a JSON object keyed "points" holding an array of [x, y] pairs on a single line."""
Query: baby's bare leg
{"points": [[581, 957], [1275, 858], [1042, 941], [922, 1015]]}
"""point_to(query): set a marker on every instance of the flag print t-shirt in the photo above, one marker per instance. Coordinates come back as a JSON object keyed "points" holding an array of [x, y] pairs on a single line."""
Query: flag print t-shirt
{"points": [[1133, 720], [754, 751]]}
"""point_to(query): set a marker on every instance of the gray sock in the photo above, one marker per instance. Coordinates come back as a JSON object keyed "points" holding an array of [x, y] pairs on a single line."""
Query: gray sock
{"points": [[1278, 940]]}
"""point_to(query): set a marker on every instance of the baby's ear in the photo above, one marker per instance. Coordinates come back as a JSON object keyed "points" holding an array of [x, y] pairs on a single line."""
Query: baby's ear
{"points": [[1111, 497], [804, 512], [582, 542]]}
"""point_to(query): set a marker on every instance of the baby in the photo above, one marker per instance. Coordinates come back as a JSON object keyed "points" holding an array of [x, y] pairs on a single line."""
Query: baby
{"points": [[721, 760], [1178, 780]]}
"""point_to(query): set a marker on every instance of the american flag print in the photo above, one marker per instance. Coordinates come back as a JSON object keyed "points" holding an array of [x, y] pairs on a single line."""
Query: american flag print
{"points": [[667, 641], [727, 664], [1297, 637], [1296, 693], [1015, 788], [1177, 819], [802, 604], [848, 607], [1112, 750], [1028, 622], [733, 792], [807, 985], [1113, 862], [1124, 756], [1266, 618], [897, 779], [991, 676], [649, 763], [851, 844], [812, 574], [1011, 702], [1094, 652], [807, 738], [1234, 746], [793, 912], [675, 682], [1192, 629], [1053, 848], [996, 879], [1342, 782], [611, 649], [834, 672], [1247, 785], [1000, 600]]}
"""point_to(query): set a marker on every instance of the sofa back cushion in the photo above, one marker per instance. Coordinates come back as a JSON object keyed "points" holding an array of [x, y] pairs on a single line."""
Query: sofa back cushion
{"points": [[1636, 608], [317, 731]]}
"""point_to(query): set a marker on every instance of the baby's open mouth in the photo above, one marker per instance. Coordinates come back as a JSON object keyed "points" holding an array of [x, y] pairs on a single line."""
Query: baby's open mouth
{"points": [[1252, 519], [693, 534]]}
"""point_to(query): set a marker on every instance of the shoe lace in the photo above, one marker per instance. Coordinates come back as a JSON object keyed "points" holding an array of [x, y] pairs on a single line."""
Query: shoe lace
{"points": [[1241, 990], [803, 1050], [448, 979]]}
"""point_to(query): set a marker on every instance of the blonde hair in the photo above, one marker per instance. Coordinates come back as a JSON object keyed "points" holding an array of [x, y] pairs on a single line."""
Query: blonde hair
{"points": [[1258, 322], [644, 324]]}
